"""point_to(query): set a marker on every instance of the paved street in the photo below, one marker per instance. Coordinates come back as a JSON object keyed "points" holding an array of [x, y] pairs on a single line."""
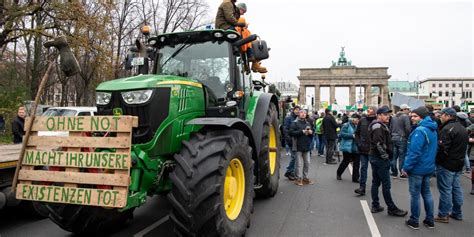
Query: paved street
{"points": [[328, 208]]}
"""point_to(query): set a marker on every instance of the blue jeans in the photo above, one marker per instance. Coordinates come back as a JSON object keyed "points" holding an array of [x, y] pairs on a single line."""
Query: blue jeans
{"points": [[364, 165], [450, 192], [322, 144], [399, 153], [291, 166], [381, 176], [467, 165], [315, 143], [420, 184]]}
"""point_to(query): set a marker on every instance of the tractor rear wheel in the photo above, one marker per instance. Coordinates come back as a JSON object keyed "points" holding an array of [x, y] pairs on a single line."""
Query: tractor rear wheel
{"points": [[88, 219], [212, 191], [269, 155]]}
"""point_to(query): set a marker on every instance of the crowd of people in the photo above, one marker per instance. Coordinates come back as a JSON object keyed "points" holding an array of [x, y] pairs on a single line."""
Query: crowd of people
{"points": [[415, 144]]}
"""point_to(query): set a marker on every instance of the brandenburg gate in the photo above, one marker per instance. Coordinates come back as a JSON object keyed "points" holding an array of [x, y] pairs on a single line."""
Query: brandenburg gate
{"points": [[343, 74]]}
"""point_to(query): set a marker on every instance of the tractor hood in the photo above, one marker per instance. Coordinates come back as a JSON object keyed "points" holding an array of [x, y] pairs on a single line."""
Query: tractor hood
{"points": [[143, 82]]}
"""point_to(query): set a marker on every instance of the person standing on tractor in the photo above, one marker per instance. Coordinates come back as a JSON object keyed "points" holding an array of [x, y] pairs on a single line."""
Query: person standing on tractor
{"points": [[228, 15], [247, 48], [18, 125], [302, 133], [290, 170]]}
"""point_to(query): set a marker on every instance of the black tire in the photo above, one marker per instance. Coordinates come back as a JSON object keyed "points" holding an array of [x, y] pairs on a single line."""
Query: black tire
{"points": [[197, 197], [88, 219], [268, 180], [36, 209]]}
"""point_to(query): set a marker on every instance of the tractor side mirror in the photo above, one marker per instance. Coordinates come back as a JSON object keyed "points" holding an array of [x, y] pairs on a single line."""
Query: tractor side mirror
{"points": [[67, 61], [260, 49], [243, 41]]}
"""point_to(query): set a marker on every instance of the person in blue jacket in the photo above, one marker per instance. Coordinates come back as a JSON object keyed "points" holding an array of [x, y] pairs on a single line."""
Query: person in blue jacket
{"points": [[349, 149], [419, 165]]}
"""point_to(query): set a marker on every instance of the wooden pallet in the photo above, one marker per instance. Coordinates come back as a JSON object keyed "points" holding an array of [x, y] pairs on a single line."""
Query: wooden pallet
{"points": [[70, 170]]}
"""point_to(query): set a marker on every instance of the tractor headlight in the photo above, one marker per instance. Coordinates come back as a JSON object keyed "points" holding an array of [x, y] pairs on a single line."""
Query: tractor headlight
{"points": [[102, 98], [137, 97]]}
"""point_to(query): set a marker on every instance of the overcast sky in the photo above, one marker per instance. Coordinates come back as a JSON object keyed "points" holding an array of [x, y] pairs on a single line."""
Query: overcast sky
{"points": [[415, 39]]}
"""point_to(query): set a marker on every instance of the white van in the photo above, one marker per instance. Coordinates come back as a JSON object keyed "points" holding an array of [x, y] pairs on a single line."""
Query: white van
{"points": [[66, 111]]}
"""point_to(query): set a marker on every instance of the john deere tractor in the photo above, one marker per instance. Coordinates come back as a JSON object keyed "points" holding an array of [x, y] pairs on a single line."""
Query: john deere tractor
{"points": [[207, 138]]}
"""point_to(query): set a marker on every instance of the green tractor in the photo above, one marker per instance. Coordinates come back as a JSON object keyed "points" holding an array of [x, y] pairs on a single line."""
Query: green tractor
{"points": [[206, 137]]}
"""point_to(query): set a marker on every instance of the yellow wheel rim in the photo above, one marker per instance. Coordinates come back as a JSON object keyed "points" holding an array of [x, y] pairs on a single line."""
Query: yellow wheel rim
{"points": [[272, 149], [234, 189]]}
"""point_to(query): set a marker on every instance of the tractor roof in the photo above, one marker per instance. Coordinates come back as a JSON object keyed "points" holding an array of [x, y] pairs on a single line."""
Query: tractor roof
{"points": [[193, 37]]}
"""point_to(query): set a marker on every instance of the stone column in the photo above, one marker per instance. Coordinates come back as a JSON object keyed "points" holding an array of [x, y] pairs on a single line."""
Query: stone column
{"points": [[317, 97], [332, 94], [352, 95], [384, 95], [367, 94], [302, 95]]}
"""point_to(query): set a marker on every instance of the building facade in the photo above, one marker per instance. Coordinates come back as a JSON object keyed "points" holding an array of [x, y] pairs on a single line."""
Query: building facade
{"points": [[449, 91], [344, 74]]}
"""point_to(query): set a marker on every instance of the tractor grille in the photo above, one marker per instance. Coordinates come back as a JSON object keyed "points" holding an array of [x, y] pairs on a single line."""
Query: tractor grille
{"points": [[150, 115]]}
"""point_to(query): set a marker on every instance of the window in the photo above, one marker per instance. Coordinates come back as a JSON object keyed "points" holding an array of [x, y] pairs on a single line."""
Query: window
{"points": [[454, 85], [440, 85], [440, 94], [206, 62], [447, 93], [447, 85], [467, 85], [460, 84], [433, 85]]}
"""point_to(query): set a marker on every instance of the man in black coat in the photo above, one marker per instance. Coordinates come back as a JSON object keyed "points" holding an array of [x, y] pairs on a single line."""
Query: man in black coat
{"points": [[329, 128], [290, 170], [18, 124], [379, 156], [363, 143], [452, 145], [302, 133]]}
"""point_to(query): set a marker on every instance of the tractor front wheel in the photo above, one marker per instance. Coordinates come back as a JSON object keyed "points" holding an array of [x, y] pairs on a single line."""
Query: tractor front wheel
{"points": [[269, 155], [212, 191]]}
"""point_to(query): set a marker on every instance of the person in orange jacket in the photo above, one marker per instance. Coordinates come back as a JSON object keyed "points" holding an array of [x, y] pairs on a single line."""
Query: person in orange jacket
{"points": [[244, 32]]}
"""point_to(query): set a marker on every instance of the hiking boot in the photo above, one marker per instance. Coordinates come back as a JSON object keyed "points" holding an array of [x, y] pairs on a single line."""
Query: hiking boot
{"points": [[299, 182], [377, 209], [290, 176], [397, 212], [455, 217], [412, 224], [331, 162], [402, 176], [360, 191], [307, 181], [429, 224], [441, 219], [256, 67]]}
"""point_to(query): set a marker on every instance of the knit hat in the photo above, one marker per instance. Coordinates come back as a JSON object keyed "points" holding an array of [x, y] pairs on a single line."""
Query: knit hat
{"points": [[242, 6], [421, 111], [449, 111]]}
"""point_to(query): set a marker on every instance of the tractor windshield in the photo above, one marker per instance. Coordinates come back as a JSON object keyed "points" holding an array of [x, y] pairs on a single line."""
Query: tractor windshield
{"points": [[205, 62]]}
